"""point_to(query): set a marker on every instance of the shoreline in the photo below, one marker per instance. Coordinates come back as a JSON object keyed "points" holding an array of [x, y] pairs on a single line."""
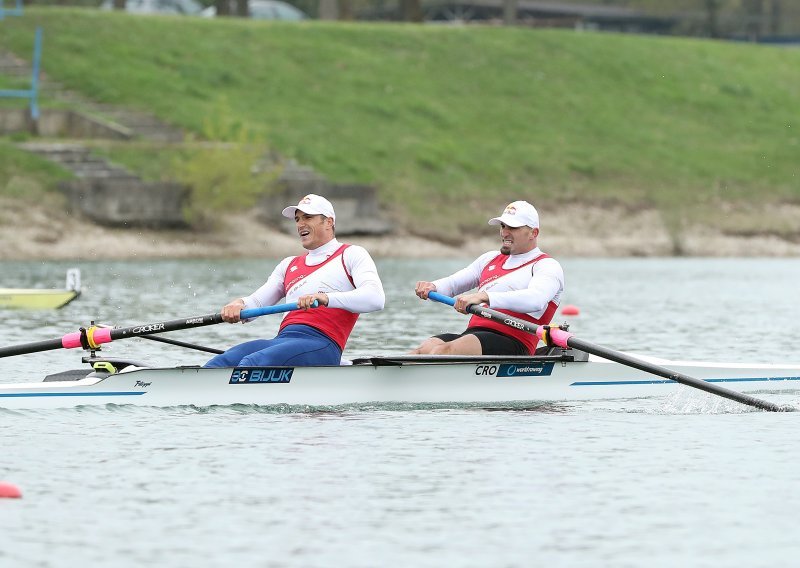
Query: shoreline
{"points": [[41, 233]]}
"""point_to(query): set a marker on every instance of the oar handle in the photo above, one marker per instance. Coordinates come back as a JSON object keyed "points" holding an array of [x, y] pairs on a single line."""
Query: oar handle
{"points": [[442, 298], [276, 309]]}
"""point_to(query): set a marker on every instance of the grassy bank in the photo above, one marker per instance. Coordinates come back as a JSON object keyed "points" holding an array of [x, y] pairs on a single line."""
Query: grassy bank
{"points": [[459, 116], [25, 176]]}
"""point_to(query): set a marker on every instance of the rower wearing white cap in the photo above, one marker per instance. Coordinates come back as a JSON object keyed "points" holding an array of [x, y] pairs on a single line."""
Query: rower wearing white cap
{"points": [[341, 278], [520, 281]]}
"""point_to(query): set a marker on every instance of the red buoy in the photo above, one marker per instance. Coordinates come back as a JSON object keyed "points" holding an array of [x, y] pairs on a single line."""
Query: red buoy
{"points": [[9, 490], [570, 310]]}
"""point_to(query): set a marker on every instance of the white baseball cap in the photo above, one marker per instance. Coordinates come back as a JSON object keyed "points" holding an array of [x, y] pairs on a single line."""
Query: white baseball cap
{"points": [[517, 214], [313, 205]]}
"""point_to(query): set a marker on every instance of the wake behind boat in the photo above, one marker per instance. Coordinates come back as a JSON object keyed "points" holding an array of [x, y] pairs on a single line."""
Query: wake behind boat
{"points": [[40, 298], [559, 375]]}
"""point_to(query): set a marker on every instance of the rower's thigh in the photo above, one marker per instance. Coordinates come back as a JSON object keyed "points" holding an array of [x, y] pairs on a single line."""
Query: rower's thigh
{"points": [[233, 356], [295, 352], [465, 345]]}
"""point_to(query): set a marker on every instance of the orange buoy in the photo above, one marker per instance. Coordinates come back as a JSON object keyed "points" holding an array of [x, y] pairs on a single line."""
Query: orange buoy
{"points": [[9, 490], [570, 310]]}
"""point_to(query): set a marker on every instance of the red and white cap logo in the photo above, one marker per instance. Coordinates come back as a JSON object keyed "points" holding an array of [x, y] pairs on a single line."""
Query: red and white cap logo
{"points": [[312, 204], [518, 214]]}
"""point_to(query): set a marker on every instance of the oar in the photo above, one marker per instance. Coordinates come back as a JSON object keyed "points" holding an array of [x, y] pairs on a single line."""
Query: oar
{"points": [[94, 336], [175, 342], [183, 344], [565, 339]]}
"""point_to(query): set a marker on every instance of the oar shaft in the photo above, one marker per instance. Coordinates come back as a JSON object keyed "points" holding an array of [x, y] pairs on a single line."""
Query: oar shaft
{"points": [[160, 327], [210, 319], [660, 371], [183, 344], [106, 335], [34, 347], [565, 339], [93, 337]]}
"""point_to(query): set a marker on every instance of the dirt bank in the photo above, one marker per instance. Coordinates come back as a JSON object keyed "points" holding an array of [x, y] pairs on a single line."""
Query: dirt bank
{"points": [[46, 234]]}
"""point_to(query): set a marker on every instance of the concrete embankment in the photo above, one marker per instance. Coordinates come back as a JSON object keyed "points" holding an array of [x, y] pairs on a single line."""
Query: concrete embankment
{"points": [[40, 233]]}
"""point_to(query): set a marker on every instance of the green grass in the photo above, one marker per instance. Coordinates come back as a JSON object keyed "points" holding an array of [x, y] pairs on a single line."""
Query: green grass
{"points": [[439, 116], [25, 176]]}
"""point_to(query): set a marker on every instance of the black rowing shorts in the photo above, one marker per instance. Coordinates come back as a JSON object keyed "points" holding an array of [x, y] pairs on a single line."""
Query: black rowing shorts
{"points": [[492, 342]]}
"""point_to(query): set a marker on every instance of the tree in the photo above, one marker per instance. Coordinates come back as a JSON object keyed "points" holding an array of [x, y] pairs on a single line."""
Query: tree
{"points": [[223, 7], [775, 17], [712, 18], [411, 10], [509, 12], [239, 8], [328, 9], [753, 17], [345, 10]]}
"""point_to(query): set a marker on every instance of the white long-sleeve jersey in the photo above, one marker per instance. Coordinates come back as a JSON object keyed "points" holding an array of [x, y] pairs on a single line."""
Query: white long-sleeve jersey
{"points": [[367, 296], [527, 290]]}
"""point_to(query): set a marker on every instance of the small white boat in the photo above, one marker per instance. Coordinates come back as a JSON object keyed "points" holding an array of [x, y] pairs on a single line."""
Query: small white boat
{"points": [[565, 375], [40, 298]]}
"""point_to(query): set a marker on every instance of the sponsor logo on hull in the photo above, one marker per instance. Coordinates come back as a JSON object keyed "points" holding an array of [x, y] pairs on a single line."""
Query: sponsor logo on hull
{"points": [[525, 370], [516, 369], [252, 375]]}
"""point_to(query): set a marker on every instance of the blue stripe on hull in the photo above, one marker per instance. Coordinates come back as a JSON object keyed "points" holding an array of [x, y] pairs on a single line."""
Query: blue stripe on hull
{"points": [[37, 394], [664, 381]]}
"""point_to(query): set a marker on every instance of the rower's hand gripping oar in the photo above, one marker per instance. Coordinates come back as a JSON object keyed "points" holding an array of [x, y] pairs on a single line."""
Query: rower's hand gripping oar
{"points": [[93, 337], [557, 336]]}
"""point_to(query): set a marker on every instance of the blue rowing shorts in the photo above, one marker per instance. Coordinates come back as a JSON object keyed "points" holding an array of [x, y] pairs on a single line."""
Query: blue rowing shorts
{"points": [[294, 346]]}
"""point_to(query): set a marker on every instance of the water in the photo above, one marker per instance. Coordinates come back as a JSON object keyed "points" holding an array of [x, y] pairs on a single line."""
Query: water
{"points": [[688, 480]]}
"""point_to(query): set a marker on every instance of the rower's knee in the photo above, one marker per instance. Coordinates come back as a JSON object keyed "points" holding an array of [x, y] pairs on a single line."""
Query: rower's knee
{"points": [[442, 349], [427, 346], [465, 345]]}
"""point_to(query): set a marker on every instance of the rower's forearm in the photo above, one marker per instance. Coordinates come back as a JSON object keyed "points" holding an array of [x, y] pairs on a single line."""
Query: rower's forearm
{"points": [[369, 297]]}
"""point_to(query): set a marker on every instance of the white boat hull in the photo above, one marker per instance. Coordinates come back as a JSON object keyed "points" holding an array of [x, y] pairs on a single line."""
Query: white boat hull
{"points": [[387, 380]]}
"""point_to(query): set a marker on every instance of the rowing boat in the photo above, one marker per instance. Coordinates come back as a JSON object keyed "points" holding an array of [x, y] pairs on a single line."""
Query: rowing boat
{"points": [[559, 375], [35, 299], [568, 368], [42, 299]]}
